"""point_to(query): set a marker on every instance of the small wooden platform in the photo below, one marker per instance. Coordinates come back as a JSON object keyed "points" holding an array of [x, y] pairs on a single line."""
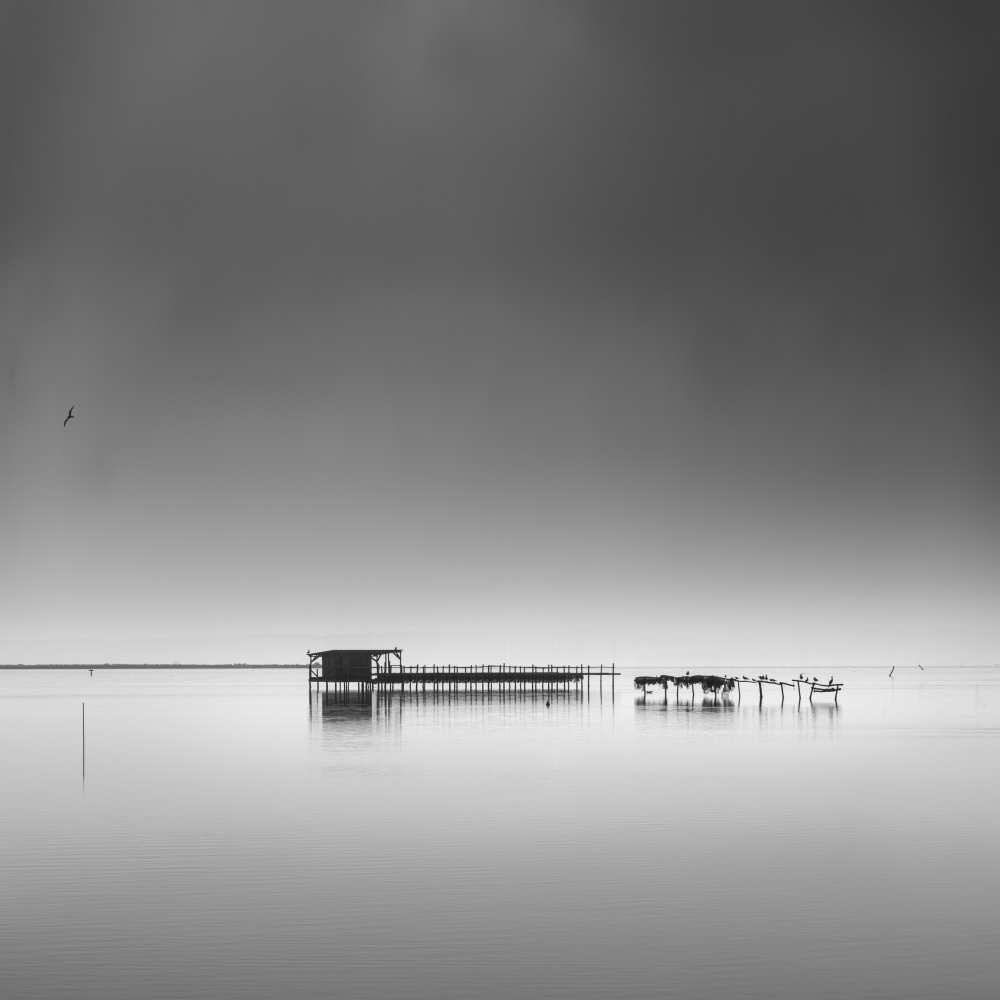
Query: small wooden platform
{"points": [[716, 684]]}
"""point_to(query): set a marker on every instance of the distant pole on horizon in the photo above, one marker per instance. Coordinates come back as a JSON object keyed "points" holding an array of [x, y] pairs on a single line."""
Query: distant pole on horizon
{"points": [[83, 738]]}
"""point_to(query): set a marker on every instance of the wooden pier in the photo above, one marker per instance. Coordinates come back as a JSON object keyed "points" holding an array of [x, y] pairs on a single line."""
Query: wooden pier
{"points": [[723, 684], [366, 669]]}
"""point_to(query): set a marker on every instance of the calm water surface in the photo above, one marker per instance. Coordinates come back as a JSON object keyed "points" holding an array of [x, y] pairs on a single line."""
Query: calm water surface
{"points": [[233, 839]]}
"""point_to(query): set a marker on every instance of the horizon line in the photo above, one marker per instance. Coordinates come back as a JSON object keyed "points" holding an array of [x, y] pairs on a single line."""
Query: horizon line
{"points": [[194, 665]]}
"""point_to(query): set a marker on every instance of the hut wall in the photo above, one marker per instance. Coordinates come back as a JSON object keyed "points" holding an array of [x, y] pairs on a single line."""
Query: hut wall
{"points": [[354, 665]]}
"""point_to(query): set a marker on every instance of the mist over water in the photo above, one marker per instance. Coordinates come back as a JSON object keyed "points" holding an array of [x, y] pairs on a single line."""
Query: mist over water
{"points": [[233, 837]]}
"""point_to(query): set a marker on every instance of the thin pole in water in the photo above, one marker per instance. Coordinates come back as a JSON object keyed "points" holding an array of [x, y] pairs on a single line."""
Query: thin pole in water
{"points": [[83, 737]]}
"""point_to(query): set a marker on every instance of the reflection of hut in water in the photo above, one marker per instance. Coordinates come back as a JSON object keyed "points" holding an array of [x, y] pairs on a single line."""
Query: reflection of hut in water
{"points": [[351, 666], [346, 707]]}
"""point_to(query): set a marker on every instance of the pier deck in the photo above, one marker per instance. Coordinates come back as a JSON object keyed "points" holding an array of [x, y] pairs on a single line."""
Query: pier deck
{"points": [[388, 672]]}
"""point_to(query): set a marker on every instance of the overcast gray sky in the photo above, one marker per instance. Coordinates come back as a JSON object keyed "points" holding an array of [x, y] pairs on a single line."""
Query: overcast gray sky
{"points": [[661, 332]]}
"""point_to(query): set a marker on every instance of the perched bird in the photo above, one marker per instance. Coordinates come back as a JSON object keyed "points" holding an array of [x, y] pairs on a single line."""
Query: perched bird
{"points": [[69, 416], [830, 681], [815, 680]]}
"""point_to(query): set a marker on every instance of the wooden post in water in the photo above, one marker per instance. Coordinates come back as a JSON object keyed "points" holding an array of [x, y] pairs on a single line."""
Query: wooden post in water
{"points": [[83, 737]]}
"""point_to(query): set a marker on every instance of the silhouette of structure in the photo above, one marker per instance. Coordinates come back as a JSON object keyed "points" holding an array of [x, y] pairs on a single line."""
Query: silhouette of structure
{"points": [[352, 666], [383, 668], [715, 684]]}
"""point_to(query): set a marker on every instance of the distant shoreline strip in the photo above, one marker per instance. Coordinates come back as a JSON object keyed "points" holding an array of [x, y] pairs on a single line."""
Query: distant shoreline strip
{"points": [[152, 666]]}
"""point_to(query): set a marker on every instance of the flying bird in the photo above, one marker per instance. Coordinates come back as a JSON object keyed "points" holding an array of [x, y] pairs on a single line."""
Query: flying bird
{"points": [[69, 416]]}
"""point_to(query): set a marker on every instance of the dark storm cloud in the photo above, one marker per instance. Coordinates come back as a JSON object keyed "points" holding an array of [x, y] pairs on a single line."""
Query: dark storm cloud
{"points": [[811, 135], [826, 146], [733, 160], [806, 187], [37, 46]]}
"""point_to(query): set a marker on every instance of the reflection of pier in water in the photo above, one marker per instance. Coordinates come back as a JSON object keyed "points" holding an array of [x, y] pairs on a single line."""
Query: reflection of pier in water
{"points": [[706, 716], [353, 712]]}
